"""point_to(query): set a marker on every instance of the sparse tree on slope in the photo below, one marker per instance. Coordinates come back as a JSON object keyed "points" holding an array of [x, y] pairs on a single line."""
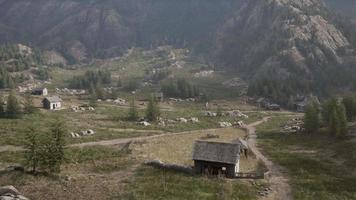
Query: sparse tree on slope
{"points": [[152, 112], [133, 114], [13, 107], [311, 119], [28, 106], [33, 150]]}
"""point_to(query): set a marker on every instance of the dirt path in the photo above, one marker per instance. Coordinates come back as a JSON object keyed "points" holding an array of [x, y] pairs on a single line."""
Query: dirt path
{"points": [[135, 139], [279, 183], [113, 142]]}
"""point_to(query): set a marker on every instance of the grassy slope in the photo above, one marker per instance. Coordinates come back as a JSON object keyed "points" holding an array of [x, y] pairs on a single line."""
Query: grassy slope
{"points": [[319, 167]]}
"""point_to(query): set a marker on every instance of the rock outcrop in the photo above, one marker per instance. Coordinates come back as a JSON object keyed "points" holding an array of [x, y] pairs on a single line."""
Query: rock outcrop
{"points": [[10, 193]]}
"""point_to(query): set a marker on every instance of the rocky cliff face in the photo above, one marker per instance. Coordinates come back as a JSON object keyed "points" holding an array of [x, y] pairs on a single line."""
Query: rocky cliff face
{"points": [[86, 28], [283, 40]]}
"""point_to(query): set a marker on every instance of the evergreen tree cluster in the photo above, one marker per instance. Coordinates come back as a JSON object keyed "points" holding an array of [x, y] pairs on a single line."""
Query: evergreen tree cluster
{"points": [[6, 80], [180, 88], [350, 106], [152, 111], [16, 61], [91, 79], [45, 152], [278, 91], [13, 109], [331, 115]]}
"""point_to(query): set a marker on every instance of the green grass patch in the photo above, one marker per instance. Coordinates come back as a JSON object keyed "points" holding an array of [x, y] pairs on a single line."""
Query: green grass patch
{"points": [[319, 167]]}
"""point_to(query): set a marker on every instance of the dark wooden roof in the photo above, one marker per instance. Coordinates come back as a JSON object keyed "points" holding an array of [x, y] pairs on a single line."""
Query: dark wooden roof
{"points": [[216, 152], [54, 99]]}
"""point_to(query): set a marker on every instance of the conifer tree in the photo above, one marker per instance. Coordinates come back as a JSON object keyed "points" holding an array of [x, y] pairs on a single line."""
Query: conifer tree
{"points": [[28, 106], [55, 147], [152, 112], [33, 150], [2, 109], [133, 114], [13, 107], [311, 119]]}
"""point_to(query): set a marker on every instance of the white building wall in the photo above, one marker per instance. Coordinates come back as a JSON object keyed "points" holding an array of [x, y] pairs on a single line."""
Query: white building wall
{"points": [[237, 167]]}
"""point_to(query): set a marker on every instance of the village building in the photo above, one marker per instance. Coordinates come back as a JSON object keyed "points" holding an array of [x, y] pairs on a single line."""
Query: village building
{"points": [[40, 91], [52, 103], [216, 158]]}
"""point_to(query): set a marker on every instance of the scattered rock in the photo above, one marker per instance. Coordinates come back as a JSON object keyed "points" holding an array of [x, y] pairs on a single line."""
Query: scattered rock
{"points": [[144, 123], [225, 124], [194, 120], [203, 74], [182, 120]]}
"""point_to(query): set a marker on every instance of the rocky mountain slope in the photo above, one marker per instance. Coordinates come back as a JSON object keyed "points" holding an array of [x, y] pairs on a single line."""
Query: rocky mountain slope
{"points": [[85, 28], [295, 44], [291, 43]]}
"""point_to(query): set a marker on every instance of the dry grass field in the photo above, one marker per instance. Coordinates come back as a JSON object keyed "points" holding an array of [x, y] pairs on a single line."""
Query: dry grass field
{"points": [[177, 149]]}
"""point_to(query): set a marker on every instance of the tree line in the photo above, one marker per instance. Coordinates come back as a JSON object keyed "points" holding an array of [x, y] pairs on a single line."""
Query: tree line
{"points": [[180, 88], [91, 79], [333, 115]]}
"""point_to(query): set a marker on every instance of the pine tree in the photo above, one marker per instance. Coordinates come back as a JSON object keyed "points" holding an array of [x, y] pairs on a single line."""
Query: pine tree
{"points": [[2, 109], [55, 147], [13, 107], [28, 106], [341, 115], [93, 99], [133, 114], [349, 103], [152, 112], [334, 123], [33, 153], [311, 119]]}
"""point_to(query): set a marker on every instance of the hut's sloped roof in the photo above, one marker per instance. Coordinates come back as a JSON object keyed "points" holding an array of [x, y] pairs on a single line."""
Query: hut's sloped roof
{"points": [[53, 99], [216, 152]]}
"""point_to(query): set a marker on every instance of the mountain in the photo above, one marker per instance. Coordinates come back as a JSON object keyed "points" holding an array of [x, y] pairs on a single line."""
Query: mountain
{"points": [[81, 29], [282, 47], [286, 47]]}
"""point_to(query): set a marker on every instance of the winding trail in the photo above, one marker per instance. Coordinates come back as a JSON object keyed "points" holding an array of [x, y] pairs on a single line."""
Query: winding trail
{"points": [[279, 183]]}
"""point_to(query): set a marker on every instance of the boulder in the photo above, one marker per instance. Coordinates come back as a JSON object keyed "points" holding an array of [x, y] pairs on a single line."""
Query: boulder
{"points": [[144, 123], [8, 190], [182, 120]]}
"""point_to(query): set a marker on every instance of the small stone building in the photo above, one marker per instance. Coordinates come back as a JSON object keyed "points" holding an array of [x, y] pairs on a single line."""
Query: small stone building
{"points": [[40, 91], [52, 103], [216, 158]]}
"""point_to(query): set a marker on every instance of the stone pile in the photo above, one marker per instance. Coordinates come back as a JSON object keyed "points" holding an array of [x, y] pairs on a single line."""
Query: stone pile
{"points": [[82, 133]]}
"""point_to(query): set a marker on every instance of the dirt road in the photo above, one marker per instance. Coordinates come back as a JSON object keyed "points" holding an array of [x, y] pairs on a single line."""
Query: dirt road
{"points": [[279, 183], [135, 139]]}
